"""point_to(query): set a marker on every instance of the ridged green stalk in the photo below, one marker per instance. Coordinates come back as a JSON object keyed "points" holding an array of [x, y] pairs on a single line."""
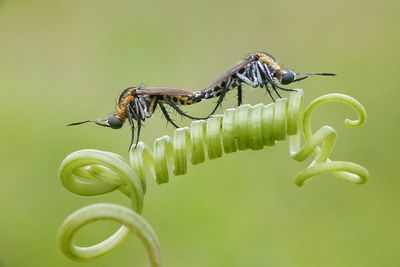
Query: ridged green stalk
{"points": [[94, 172]]}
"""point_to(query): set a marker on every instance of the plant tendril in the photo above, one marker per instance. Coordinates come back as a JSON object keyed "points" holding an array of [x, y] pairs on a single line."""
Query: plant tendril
{"points": [[93, 172]]}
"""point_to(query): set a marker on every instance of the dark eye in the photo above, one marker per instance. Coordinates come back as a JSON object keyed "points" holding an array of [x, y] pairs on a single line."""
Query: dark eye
{"points": [[288, 77], [114, 122]]}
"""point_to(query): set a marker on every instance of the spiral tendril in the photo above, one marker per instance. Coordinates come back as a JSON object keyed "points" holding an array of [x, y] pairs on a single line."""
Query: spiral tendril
{"points": [[93, 172]]}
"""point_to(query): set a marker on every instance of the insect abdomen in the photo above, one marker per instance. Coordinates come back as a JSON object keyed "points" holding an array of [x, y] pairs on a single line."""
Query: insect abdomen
{"points": [[185, 100]]}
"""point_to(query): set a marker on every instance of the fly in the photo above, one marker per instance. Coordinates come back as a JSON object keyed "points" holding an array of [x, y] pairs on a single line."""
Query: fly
{"points": [[136, 104], [257, 70]]}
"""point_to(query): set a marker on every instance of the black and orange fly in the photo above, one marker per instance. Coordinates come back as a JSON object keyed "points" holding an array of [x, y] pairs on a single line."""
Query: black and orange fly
{"points": [[137, 103]]}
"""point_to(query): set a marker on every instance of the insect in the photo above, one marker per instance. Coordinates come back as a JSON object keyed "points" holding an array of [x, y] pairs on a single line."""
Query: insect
{"points": [[137, 103], [258, 69]]}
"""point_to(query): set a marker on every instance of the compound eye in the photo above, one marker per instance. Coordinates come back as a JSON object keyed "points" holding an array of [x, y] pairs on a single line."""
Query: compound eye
{"points": [[288, 77], [114, 122]]}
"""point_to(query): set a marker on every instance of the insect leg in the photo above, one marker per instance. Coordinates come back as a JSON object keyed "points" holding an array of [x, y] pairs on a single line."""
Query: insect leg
{"points": [[273, 84], [180, 111], [276, 91], [139, 124], [137, 109], [239, 95], [253, 68], [167, 117], [129, 112], [141, 107], [246, 80], [259, 77], [269, 80], [219, 101], [268, 75], [264, 68], [268, 90], [265, 78]]}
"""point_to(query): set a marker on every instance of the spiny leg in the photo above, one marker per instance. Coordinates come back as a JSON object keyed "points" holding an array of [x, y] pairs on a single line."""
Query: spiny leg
{"points": [[261, 67], [246, 80], [284, 89], [180, 111], [259, 76], [276, 91], [253, 69], [219, 101], [129, 111], [269, 80], [268, 90], [239, 95], [166, 115], [267, 74], [139, 124]]}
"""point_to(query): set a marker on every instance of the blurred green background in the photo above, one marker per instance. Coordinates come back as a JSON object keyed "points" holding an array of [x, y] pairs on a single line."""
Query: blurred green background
{"points": [[65, 61]]}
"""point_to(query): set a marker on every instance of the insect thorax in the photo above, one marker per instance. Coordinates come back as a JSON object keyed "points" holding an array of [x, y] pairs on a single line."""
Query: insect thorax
{"points": [[269, 60]]}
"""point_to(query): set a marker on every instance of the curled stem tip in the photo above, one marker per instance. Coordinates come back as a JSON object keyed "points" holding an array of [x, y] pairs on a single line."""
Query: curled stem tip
{"points": [[93, 172]]}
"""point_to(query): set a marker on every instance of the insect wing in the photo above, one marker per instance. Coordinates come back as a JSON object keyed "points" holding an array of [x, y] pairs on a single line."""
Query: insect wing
{"points": [[239, 65], [167, 91]]}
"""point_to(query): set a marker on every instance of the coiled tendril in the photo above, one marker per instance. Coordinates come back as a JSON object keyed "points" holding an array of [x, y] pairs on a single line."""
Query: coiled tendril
{"points": [[94, 172]]}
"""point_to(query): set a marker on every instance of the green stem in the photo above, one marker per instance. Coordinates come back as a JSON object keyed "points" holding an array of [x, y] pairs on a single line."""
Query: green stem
{"points": [[93, 172], [130, 220]]}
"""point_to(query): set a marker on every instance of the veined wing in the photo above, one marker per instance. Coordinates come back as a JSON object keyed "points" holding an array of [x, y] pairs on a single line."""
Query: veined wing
{"points": [[239, 65], [170, 91]]}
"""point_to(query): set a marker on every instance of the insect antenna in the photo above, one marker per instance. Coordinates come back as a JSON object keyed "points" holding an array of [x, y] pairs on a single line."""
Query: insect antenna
{"points": [[98, 122], [301, 75]]}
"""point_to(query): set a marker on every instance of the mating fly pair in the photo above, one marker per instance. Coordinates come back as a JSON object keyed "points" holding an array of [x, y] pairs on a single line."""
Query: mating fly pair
{"points": [[257, 70]]}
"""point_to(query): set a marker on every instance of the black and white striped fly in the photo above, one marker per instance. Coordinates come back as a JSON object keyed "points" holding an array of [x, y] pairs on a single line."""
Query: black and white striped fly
{"points": [[257, 70]]}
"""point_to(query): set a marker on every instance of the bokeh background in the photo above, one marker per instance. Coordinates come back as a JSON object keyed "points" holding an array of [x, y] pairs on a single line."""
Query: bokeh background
{"points": [[65, 61]]}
